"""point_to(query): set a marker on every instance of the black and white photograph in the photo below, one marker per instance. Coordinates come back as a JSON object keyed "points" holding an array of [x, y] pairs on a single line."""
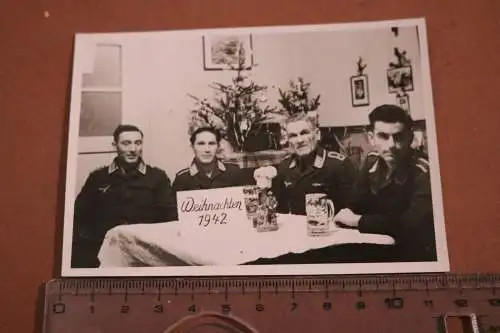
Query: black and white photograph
{"points": [[359, 90], [252, 151]]}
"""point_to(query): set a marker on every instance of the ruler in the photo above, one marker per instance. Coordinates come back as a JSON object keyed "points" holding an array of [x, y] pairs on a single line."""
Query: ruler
{"points": [[393, 303]]}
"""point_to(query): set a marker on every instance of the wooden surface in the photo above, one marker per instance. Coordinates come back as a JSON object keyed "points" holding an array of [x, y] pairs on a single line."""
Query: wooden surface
{"points": [[35, 69]]}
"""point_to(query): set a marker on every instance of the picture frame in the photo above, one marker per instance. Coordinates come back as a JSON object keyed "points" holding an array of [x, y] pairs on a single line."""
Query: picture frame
{"points": [[220, 52], [403, 100], [400, 79], [359, 91]]}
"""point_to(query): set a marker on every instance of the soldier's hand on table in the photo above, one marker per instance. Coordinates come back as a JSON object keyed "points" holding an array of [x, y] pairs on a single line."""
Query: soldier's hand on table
{"points": [[346, 217]]}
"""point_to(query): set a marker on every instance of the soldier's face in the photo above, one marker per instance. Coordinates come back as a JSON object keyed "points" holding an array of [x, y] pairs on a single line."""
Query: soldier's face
{"points": [[391, 140], [302, 137], [205, 147], [129, 147]]}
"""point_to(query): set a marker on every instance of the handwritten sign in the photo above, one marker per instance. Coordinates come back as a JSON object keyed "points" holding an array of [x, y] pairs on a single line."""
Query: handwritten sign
{"points": [[214, 214]]}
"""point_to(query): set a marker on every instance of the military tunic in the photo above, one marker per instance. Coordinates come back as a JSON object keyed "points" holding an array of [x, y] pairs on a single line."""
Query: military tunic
{"points": [[110, 198], [327, 172], [400, 206], [225, 175]]}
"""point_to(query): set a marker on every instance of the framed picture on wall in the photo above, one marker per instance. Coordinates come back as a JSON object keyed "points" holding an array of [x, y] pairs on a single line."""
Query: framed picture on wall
{"points": [[400, 78], [222, 52], [359, 90]]}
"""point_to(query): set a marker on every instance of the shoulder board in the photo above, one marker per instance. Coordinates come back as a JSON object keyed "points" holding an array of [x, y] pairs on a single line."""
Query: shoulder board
{"points": [[100, 169], [336, 155], [422, 168], [422, 164], [182, 171], [155, 169], [423, 161]]}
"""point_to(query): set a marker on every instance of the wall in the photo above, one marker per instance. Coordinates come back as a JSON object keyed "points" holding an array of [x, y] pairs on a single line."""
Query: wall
{"points": [[159, 70]]}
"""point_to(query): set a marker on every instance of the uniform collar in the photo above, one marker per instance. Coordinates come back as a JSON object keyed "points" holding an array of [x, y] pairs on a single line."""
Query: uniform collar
{"points": [[319, 159], [379, 168], [193, 169], [141, 167]]}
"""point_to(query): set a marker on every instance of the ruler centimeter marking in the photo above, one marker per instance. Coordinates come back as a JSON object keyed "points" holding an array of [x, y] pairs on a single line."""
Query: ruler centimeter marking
{"points": [[303, 284], [294, 285], [432, 298]]}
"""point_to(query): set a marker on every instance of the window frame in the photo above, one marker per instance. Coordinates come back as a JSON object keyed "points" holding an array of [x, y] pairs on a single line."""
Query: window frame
{"points": [[100, 144]]}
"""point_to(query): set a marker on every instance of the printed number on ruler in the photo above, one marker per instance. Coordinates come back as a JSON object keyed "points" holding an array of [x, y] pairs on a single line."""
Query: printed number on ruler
{"points": [[393, 303]]}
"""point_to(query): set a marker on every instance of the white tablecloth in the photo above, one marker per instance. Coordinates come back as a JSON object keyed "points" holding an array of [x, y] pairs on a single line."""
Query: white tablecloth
{"points": [[161, 244]]}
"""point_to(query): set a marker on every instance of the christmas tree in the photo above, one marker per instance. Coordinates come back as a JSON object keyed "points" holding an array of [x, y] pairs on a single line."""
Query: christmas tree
{"points": [[296, 99], [236, 109]]}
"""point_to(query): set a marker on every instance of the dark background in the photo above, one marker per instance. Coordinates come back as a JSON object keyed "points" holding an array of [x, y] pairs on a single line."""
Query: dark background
{"points": [[36, 40]]}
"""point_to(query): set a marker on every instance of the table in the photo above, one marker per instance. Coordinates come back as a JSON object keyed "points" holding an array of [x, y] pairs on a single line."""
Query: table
{"points": [[162, 244]]}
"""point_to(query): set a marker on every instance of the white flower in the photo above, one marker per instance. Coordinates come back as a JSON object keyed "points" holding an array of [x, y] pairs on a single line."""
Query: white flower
{"points": [[271, 171], [264, 176]]}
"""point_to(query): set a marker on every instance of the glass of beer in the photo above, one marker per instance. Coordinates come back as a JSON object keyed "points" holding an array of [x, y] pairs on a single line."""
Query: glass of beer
{"points": [[320, 211]]}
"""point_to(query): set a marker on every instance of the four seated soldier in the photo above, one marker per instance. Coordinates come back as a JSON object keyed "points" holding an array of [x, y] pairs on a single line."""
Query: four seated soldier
{"points": [[390, 194]]}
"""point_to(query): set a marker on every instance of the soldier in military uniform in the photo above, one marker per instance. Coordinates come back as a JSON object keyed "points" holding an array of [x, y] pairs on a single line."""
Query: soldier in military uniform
{"points": [[206, 170], [393, 192], [310, 169], [125, 192]]}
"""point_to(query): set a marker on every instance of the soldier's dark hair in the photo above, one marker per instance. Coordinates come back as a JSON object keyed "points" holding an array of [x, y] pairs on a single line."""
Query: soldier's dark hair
{"points": [[212, 130], [389, 113], [125, 128]]}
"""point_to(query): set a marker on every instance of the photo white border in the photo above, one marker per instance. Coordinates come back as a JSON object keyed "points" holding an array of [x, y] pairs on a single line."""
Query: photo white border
{"points": [[441, 265]]}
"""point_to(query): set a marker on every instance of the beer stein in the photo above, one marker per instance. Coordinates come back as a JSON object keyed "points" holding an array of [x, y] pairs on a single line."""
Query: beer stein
{"points": [[320, 212]]}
